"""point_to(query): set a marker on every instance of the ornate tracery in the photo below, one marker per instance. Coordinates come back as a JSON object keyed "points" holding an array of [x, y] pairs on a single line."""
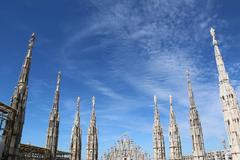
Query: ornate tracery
{"points": [[126, 149]]}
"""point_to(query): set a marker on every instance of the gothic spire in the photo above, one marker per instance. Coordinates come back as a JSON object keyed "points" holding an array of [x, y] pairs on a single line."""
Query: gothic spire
{"points": [[76, 142], [174, 136], [223, 76], [158, 138], [195, 126], [18, 102], [53, 128], [92, 138], [229, 102]]}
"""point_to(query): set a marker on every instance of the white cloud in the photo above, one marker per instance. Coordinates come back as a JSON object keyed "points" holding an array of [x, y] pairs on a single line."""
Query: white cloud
{"points": [[105, 90], [157, 41]]}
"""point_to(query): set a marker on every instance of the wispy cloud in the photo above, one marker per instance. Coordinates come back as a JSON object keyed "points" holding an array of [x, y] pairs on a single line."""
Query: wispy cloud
{"points": [[146, 46], [105, 90]]}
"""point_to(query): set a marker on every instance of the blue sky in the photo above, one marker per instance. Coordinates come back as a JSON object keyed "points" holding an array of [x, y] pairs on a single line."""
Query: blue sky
{"points": [[122, 52]]}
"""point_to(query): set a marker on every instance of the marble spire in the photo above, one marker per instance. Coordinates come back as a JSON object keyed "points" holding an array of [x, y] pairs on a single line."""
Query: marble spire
{"points": [[53, 128], [27, 62], [158, 138], [195, 125], [18, 103], [174, 136], [92, 137], [229, 102], [76, 141]]}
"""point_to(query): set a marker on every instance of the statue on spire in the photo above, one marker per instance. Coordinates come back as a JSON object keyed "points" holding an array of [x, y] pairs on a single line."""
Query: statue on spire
{"points": [[78, 104], [93, 102], [171, 103], [155, 100], [213, 34], [58, 80], [31, 40]]}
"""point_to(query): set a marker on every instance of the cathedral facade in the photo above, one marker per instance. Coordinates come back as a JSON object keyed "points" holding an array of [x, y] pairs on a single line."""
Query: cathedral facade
{"points": [[126, 149], [12, 121]]}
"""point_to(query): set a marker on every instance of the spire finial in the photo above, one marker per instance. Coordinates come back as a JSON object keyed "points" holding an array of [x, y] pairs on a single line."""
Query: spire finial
{"points": [[93, 102], [171, 103], [78, 103], [58, 80], [155, 100], [31, 41], [30, 45], [188, 75], [170, 97], [213, 34]]}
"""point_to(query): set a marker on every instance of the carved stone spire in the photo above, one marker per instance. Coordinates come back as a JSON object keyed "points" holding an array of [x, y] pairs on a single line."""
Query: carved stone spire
{"points": [[195, 125], [229, 102], [18, 102], [156, 111], [158, 138], [174, 136], [53, 128], [76, 141], [92, 138], [27, 63]]}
